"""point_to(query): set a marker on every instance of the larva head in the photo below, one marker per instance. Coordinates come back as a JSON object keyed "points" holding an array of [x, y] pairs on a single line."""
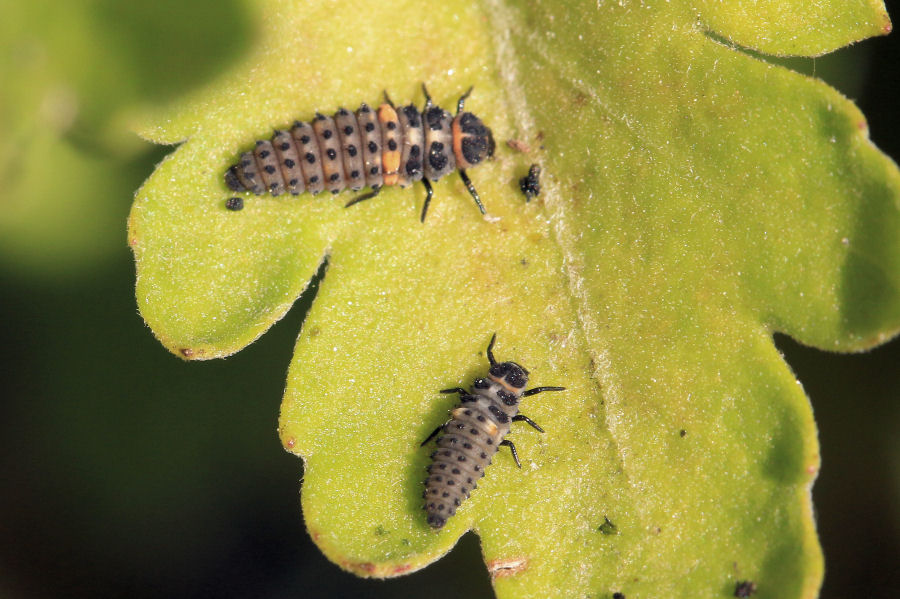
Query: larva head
{"points": [[473, 142], [513, 377]]}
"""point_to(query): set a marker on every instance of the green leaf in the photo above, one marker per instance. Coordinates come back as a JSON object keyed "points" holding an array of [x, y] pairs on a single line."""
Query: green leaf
{"points": [[696, 200], [73, 74]]}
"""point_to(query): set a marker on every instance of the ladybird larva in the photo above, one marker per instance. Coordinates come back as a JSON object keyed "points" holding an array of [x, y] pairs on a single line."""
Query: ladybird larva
{"points": [[386, 146], [474, 433]]}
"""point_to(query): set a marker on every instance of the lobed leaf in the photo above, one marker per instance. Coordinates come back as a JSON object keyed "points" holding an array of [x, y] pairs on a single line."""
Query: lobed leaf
{"points": [[696, 200]]}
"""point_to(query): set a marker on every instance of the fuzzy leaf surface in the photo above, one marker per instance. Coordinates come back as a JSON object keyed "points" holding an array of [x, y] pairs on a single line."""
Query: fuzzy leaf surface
{"points": [[696, 200]]}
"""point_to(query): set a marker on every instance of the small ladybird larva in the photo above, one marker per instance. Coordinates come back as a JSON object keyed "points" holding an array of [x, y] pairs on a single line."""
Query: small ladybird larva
{"points": [[473, 435]]}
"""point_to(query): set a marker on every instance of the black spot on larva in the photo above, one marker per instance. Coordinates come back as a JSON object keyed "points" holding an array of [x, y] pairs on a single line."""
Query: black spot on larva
{"points": [[348, 130], [245, 163], [483, 456], [391, 125], [370, 127], [259, 142], [310, 158], [304, 139], [433, 118], [327, 133], [414, 151], [293, 182], [474, 432], [618, 596], [392, 145], [334, 177], [461, 458], [334, 192], [354, 174], [490, 441], [373, 170], [270, 169], [320, 117], [314, 179], [467, 445], [506, 397], [499, 414], [437, 161], [234, 204], [471, 124], [456, 471], [289, 163], [480, 417], [744, 588], [373, 147], [482, 384], [474, 149], [285, 146], [273, 187], [331, 154], [264, 154], [413, 167], [343, 111], [351, 150], [364, 108], [444, 494]]}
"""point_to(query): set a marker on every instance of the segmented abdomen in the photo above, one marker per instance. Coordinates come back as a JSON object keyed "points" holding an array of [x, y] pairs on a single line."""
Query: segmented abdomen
{"points": [[379, 147], [468, 443]]}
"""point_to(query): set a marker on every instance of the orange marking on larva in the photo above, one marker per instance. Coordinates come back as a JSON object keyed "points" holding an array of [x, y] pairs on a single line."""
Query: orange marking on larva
{"points": [[461, 161], [504, 384], [500, 568], [492, 428], [390, 159]]}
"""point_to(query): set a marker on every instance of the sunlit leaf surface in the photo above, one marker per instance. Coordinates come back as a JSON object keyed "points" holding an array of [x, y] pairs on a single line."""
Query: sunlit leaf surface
{"points": [[695, 200]]}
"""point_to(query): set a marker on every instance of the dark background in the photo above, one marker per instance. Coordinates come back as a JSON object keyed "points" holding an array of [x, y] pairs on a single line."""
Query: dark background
{"points": [[127, 472]]}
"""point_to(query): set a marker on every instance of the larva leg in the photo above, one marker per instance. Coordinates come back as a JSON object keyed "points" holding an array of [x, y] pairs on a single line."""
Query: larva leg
{"points": [[432, 435], [365, 196], [471, 188], [527, 420], [512, 448], [537, 390], [462, 100], [428, 196]]}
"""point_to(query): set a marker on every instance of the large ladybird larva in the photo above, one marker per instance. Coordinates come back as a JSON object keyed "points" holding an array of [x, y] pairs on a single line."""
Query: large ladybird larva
{"points": [[374, 148]]}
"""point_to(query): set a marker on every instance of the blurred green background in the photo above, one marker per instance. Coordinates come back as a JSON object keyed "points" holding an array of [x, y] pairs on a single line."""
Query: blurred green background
{"points": [[127, 472]]}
